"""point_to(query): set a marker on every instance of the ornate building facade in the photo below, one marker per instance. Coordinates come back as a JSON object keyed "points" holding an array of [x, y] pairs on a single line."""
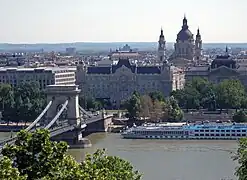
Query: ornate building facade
{"points": [[186, 47], [222, 67], [117, 82]]}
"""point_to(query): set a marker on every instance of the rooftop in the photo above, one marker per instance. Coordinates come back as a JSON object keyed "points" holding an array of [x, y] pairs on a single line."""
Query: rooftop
{"points": [[52, 69]]}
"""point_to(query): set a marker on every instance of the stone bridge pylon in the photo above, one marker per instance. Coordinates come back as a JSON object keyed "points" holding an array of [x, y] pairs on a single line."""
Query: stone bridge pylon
{"points": [[59, 94]]}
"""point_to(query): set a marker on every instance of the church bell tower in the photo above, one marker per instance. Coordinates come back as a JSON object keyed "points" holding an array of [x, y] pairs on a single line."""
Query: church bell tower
{"points": [[161, 47], [198, 46]]}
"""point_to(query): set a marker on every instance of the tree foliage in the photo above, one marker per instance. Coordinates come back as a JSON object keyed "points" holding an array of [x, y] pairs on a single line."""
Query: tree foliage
{"points": [[240, 116], [8, 172], [22, 103], [34, 156], [200, 93], [133, 105], [102, 167], [241, 156], [153, 107], [92, 104]]}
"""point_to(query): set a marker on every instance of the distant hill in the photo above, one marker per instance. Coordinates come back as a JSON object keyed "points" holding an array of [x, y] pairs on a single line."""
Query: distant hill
{"points": [[86, 46]]}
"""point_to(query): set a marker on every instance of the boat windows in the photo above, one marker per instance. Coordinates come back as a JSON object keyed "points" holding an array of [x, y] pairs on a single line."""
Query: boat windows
{"points": [[243, 134], [227, 130], [233, 130], [222, 134], [238, 130], [217, 130], [238, 134], [211, 130], [211, 134], [222, 131], [243, 130], [233, 134], [201, 130], [196, 134], [201, 134], [206, 130], [206, 134], [217, 135], [227, 134], [196, 130]]}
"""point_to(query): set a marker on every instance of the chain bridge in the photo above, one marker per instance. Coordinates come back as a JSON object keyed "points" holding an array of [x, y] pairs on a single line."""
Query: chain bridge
{"points": [[66, 119]]}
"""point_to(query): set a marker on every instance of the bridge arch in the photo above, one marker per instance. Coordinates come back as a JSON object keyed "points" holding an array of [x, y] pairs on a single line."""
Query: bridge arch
{"points": [[59, 94]]}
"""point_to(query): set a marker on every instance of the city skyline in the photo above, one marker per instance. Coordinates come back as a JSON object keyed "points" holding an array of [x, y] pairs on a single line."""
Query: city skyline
{"points": [[120, 21]]}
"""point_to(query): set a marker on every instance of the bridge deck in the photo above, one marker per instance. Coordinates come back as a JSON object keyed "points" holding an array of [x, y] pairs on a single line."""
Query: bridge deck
{"points": [[59, 129]]}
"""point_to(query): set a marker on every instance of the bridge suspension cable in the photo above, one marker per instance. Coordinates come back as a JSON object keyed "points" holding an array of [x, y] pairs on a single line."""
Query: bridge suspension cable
{"points": [[57, 115], [39, 117], [85, 112]]}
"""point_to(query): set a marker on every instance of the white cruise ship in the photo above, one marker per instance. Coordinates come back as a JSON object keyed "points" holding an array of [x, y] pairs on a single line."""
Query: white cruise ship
{"points": [[229, 131]]}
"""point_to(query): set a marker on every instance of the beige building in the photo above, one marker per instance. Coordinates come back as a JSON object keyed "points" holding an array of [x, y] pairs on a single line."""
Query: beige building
{"points": [[117, 82], [45, 75]]}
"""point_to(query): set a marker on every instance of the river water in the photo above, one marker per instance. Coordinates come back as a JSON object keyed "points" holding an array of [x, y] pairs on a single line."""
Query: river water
{"points": [[168, 159]]}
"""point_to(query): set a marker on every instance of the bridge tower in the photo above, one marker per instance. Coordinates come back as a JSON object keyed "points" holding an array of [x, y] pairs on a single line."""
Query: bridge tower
{"points": [[58, 94]]}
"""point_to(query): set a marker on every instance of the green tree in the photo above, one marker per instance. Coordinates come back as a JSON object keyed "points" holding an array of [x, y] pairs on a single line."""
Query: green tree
{"points": [[240, 116], [25, 102], [199, 84], [230, 94], [244, 102], [6, 94], [90, 103], [175, 114], [103, 167], [34, 156], [191, 98], [7, 172], [133, 106], [241, 157], [198, 92], [157, 96], [179, 95]]}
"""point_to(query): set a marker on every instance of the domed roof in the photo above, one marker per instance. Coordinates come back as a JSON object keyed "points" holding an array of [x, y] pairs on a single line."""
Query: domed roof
{"points": [[184, 34]]}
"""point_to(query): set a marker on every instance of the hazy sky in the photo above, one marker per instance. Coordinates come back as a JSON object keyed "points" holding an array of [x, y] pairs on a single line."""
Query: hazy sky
{"points": [[40, 21]]}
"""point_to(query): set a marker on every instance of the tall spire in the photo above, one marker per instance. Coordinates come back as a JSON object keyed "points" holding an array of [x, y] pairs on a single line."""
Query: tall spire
{"points": [[185, 25], [226, 50], [198, 33], [161, 32]]}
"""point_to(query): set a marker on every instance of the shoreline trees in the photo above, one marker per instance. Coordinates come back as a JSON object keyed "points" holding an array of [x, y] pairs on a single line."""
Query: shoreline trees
{"points": [[200, 93], [35, 156], [153, 108], [22, 103]]}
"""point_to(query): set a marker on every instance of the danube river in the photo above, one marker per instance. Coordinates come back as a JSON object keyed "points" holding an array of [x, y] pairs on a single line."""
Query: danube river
{"points": [[166, 159]]}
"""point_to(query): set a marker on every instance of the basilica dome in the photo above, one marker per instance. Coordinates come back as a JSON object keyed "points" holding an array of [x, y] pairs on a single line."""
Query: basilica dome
{"points": [[184, 34]]}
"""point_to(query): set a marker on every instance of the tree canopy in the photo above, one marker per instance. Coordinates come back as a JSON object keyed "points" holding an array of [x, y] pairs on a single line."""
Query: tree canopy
{"points": [[34, 156], [153, 107], [200, 93], [22, 103], [241, 157], [240, 116]]}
